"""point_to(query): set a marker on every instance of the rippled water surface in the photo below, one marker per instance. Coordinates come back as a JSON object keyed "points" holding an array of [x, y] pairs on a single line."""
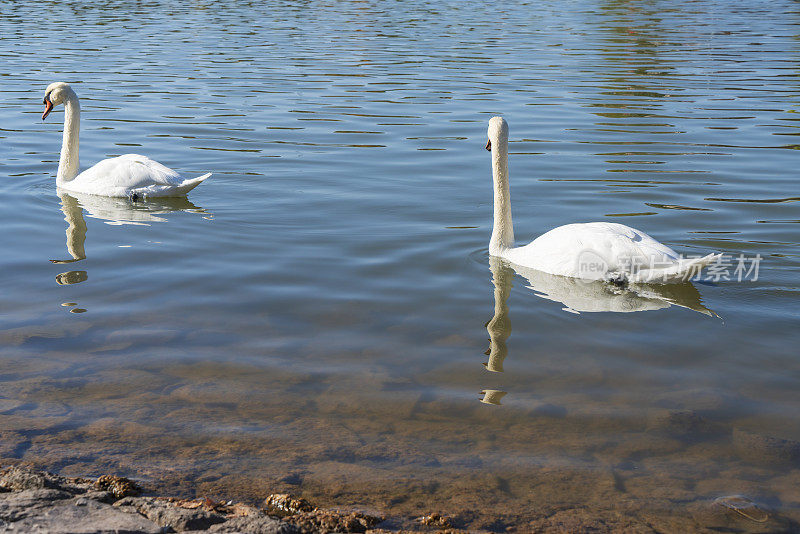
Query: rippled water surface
{"points": [[313, 319]]}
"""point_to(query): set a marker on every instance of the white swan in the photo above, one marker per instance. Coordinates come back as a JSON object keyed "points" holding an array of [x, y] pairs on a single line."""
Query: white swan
{"points": [[129, 175], [594, 251]]}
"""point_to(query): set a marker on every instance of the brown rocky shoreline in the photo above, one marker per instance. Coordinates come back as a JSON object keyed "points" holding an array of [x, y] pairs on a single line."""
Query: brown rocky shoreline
{"points": [[32, 500], [37, 501]]}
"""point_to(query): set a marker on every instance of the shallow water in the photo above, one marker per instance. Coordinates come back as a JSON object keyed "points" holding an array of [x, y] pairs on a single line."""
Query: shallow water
{"points": [[314, 318]]}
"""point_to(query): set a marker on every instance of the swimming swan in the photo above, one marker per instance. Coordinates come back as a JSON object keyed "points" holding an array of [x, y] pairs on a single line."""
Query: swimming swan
{"points": [[595, 251], [129, 175]]}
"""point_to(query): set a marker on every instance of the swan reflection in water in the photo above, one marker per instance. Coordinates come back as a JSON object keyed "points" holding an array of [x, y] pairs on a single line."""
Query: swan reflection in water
{"points": [[115, 211], [578, 296]]}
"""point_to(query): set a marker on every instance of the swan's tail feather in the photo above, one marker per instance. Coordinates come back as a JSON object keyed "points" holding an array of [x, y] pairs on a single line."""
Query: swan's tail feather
{"points": [[191, 183], [684, 269]]}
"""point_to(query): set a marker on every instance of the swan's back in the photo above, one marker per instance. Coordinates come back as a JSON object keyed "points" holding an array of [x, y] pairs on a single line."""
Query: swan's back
{"points": [[131, 174], [130, 171], [584, 249]]}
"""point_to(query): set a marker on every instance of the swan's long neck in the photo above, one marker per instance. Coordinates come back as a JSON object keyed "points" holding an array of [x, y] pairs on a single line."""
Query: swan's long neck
{"points": [[503, 231], [68, 165]]}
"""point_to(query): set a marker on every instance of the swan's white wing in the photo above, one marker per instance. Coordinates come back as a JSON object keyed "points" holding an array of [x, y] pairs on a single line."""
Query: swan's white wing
{"points": [[593, 250], [131, 174], [121, 175]]}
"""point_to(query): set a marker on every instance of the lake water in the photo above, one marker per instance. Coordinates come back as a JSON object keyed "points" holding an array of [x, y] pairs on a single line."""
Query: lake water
{"points": [[313, 319]]}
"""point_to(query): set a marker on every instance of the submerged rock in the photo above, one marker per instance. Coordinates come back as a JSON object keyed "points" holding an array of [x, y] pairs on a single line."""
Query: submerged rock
{"points": [[119, 487], [19, 478], [435, 520], [328, 521], [9, 405], [715, 403], [285, 504], [766, 449], [686, 425], [308, 519], [739, 513]]}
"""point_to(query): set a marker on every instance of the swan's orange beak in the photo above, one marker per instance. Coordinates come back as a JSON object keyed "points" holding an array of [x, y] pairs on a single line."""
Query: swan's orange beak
{"points": [[488, 144], [48, 107]]}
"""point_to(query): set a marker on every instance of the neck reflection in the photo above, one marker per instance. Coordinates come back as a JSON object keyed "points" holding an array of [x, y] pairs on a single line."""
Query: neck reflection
{"points": [[76, 228], [499, 326]]}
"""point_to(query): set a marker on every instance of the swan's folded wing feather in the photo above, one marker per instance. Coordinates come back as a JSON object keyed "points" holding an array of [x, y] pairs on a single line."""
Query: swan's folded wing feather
{"points": [[126, 173], [571, 249]]}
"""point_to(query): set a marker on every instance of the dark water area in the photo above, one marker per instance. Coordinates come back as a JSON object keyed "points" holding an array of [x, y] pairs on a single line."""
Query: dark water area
{"points": [[313, 318]]}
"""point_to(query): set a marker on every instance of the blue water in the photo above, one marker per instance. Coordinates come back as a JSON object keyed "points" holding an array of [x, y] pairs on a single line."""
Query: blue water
{"points": [[312, 319]]}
